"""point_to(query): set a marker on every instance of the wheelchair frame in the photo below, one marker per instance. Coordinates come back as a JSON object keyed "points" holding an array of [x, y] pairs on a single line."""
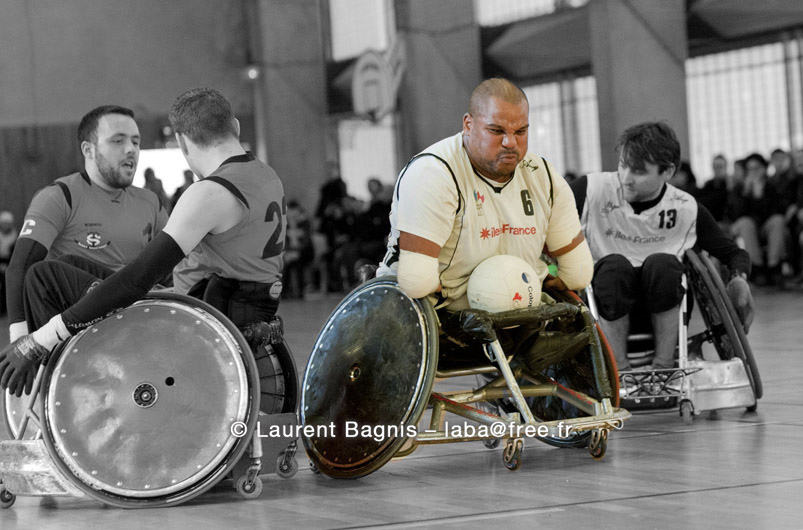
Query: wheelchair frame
{"points": [[603, 415], [697, 385], [31, 469]]}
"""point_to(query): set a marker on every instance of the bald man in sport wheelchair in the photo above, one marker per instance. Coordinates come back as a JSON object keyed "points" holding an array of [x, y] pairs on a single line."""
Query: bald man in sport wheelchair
{"points": [[543, 370]]}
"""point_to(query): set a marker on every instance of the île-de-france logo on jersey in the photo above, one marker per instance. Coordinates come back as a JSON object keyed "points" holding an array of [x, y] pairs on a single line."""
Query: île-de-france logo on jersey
{"points": [[495, 231], [479, 200]]}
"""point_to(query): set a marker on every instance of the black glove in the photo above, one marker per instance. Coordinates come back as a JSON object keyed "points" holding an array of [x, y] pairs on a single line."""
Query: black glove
{"points": [[19, 362]]}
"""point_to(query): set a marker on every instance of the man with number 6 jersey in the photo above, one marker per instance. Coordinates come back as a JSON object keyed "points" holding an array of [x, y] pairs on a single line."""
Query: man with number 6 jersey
{"points": [[225, 236], [477, 194], [638, 227]]}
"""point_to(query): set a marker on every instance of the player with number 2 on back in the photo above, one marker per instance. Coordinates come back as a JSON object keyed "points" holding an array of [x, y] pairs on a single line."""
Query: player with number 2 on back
{"points": [[228, 227]]}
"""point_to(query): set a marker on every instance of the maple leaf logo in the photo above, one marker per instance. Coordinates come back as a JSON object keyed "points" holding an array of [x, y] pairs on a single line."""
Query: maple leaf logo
{"points": [[485, 233], [517, 297], [609, 232]]}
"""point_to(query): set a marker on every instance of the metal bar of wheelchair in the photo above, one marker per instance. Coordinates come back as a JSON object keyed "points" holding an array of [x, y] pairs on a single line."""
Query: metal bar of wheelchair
{"points": [[28, 413], [496, 354], [611, 419]]}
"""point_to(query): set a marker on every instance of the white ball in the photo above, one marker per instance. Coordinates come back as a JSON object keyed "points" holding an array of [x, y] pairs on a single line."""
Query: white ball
{"points": [[502, 283]]}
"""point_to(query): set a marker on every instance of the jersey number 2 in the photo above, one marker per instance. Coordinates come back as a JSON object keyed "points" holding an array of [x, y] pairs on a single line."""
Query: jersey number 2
{"points": [[275, 245]]}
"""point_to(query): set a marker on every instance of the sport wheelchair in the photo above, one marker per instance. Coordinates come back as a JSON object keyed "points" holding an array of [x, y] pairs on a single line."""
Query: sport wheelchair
{"points": [[153, 406], [369, 380], [696, 385]]}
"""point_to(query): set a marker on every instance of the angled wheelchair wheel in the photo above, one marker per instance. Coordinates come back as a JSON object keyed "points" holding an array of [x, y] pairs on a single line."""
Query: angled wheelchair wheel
{"points": [[138, 409], [746, 352], [721, 319], [368, 379], [278, 378], [577, 374]]}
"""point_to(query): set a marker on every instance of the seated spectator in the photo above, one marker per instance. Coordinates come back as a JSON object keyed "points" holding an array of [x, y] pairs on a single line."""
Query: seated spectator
{"points": [[761, 225], [8, 237], [684, 179], [785, 180], [714, 193], [298, 252]]}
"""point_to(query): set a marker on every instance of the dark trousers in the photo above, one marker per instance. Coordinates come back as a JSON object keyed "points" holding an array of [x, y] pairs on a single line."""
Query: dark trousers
{"points": [[622, 289], [52, 286]]}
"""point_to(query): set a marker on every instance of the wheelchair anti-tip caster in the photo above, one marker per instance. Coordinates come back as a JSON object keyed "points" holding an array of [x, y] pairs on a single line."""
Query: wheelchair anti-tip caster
{"points": [[286, 467], [7, 498], [598, 444], [687, 411], [511, 456], [248, 489]]}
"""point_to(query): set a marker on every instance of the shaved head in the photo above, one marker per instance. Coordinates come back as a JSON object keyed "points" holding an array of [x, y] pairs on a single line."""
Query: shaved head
{"points": [[498, 88]]}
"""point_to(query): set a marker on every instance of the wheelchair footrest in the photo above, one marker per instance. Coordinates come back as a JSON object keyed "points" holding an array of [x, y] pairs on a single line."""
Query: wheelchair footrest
{"points": [[27, 469], [720, 385]]}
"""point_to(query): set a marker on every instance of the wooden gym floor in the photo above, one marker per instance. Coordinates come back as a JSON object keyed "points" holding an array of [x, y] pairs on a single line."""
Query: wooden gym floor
{"points": [[729, 469]]}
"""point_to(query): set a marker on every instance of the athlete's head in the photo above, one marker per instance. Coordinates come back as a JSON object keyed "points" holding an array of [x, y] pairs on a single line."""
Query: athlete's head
{"points": [[204, 116], [495, 128], [109, 139], [649, 154]]}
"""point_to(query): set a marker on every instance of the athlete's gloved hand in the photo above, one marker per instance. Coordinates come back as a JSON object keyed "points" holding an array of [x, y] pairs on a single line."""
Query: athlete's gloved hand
{"points": [[19, 362], [739, 292]]}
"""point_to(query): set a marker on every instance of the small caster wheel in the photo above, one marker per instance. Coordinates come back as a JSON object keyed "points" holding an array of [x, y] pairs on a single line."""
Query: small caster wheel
{"points": [[687, 411], [248, 490], [511, 456], [598, 444], [752, 408], [286, 468], [314, 468], [7, 498], [491, 443]]}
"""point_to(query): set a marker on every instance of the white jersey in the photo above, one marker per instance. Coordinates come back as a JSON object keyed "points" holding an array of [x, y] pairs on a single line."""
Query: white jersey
{"points": [[612, 227], [439, 197]]}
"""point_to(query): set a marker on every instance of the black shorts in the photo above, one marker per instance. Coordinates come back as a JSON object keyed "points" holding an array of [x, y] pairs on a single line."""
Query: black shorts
{"points": [[622, 289]]}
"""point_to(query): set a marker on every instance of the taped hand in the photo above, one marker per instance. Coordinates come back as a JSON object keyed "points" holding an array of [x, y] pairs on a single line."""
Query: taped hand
{"points": [[19, 362], [739, 292]]}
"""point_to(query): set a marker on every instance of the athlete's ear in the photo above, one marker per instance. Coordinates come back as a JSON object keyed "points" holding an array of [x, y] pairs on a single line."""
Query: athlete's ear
{"points": [[468, 121], [86, 149], [181, 143]]}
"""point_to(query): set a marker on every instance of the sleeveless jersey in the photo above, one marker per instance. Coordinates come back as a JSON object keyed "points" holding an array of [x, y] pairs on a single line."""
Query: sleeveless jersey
{"points": [[252, 249], [439, 197], [75, 216], [612, 227]]}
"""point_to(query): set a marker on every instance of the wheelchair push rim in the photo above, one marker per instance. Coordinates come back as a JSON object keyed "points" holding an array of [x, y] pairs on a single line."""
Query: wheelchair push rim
{"points": [[138, 409], [373, 366]]}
